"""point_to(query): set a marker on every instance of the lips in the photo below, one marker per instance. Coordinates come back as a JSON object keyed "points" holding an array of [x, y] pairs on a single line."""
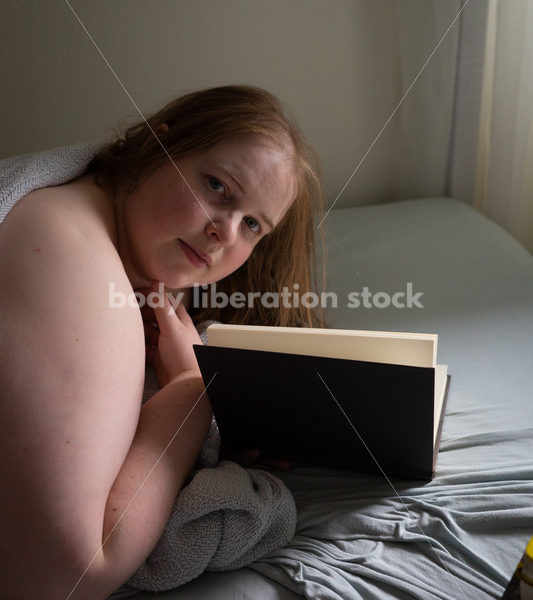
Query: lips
{"points": [[195, 256]]}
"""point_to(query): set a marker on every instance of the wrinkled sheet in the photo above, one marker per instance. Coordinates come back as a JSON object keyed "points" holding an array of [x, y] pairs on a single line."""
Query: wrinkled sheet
{"points": [[459, 536]]}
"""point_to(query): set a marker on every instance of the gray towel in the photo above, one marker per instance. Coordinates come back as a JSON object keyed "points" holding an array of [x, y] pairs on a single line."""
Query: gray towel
{"points": [[227, 516], [20, 175], [224, 519]]}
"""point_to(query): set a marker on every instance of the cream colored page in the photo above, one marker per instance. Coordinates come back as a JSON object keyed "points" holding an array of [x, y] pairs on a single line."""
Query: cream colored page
{"points": [[372, 346], [441, 372]]}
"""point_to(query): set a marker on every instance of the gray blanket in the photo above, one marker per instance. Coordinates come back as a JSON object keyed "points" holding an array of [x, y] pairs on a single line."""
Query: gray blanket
{"points": [[20, 175], [227, 516], [223, 520]]}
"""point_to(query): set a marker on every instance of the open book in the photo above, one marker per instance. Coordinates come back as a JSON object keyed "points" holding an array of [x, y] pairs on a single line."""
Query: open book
{"points": [[368, 400]]}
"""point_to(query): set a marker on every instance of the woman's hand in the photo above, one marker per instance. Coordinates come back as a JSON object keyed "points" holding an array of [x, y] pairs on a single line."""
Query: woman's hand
{"points": [[252, 456], [169, 336]]}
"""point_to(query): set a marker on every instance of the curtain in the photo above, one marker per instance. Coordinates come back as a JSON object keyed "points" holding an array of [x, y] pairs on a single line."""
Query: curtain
{"points": [[504, 171], [462, 159], [423, 123]]}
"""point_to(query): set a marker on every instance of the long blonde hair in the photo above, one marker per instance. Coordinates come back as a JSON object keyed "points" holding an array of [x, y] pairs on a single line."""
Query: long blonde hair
{"points": [[198, 121]]}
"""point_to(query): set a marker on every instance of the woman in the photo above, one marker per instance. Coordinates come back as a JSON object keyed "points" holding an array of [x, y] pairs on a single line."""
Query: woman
{"points": [[232, 206]]}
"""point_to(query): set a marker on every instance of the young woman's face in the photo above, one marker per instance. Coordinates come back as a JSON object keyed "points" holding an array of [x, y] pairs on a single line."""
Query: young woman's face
{"points": [[201, 227]]}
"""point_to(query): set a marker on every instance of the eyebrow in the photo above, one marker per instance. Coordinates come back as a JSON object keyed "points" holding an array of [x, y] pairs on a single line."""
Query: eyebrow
{"points": [[232, 176], [238, 182], [266, 220]]}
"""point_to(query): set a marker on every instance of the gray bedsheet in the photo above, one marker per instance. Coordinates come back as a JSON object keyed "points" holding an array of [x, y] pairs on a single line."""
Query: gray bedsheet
{"points": [[459, 536]]}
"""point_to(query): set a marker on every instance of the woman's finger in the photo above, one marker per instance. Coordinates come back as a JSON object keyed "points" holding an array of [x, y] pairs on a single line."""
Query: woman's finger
{"points": [[165, 314], [245, 457], [253, 456], [183, 315], [277, 463]]}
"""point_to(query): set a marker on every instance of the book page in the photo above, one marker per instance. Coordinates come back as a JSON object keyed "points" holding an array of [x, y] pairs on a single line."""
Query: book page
{"points": [[441, 372], [409, 349]]}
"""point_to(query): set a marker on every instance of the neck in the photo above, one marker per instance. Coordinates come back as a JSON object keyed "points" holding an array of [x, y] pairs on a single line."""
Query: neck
{"points": [[136, 279]]}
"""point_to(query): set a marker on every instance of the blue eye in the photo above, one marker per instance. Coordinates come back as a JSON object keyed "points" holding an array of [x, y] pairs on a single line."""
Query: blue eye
{"points": [[252, 224], [216, 185]]}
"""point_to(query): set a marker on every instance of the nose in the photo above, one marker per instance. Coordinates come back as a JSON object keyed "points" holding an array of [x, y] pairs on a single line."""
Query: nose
{"points": [[224, 229]]}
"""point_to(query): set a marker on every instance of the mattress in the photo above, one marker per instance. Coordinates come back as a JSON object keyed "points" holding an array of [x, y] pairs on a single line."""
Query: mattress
{"points": [[459, 536]]}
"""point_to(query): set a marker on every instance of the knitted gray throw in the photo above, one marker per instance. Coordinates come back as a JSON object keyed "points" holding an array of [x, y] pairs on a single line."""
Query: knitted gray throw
{"points": [[20, 175], [227, 516]]}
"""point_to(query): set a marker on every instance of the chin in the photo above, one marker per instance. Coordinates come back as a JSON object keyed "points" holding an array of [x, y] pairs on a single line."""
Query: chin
{"points": [[181, 283]]}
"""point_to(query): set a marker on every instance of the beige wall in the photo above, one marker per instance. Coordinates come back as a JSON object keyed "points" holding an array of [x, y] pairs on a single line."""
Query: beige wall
{"points": [[335, 63]]}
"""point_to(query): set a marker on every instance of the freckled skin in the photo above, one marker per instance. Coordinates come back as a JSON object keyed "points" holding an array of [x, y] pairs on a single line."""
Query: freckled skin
{"points": [[75, 366], [215, 219]]}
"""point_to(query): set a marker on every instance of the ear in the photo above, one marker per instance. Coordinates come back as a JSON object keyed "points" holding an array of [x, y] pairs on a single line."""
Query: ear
{"points": [[162, 128]]}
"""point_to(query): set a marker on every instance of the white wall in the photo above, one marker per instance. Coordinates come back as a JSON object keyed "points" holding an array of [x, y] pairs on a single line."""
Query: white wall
{"points": [[335, 63]]}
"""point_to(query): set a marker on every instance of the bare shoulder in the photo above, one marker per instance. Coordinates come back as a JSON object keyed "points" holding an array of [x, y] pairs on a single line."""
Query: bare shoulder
{"points": [[72, 367], [58, 263]]}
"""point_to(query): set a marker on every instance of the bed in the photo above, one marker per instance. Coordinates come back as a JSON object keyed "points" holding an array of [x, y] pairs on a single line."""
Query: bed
{"points": [[459, 536]]}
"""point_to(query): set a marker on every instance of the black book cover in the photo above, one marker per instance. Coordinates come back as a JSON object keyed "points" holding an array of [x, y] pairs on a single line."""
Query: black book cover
{"points": [[287, 405]]}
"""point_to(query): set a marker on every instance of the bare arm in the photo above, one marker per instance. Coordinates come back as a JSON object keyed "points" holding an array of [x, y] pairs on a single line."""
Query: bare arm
{"points": [[142, 496], [75, 443], [172, 427]]}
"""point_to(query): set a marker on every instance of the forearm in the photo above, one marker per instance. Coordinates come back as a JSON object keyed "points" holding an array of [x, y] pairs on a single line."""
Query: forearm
{"points": [[172, 427]]}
